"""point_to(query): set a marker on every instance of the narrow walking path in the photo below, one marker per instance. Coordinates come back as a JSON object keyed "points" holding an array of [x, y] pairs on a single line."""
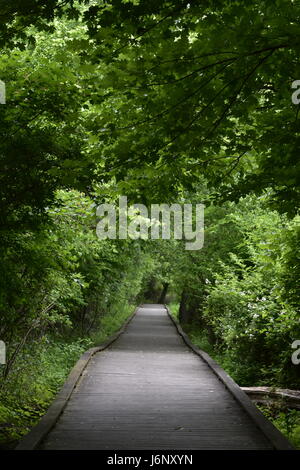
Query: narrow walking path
{"points": [[149, 390]]}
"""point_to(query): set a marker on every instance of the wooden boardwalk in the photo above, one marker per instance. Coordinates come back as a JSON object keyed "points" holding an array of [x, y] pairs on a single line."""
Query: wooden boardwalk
{"points": [[149, 390]]}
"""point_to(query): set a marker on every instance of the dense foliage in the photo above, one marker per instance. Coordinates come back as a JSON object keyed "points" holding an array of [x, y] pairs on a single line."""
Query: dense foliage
{"points": [[163, 102], [239, 292]]}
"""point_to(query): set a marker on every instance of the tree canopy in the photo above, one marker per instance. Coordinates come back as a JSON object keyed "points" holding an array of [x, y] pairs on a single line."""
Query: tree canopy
{"points": [[160, 101], [173, 91]]}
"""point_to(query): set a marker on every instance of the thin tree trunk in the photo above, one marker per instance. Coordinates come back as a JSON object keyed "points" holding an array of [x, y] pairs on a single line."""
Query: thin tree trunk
{"points": [[14, 356], [163, 294]]}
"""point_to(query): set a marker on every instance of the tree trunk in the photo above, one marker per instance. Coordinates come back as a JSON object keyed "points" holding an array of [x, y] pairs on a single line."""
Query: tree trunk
{"points": [[163, 294], [186, 310]]}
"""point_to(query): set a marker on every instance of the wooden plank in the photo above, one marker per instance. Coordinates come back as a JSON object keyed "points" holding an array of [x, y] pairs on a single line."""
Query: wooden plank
{"points": [[149, 390]]}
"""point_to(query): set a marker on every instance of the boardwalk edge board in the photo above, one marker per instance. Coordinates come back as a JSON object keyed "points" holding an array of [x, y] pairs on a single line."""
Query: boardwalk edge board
{"points": [[33, 439], [278, 440]]}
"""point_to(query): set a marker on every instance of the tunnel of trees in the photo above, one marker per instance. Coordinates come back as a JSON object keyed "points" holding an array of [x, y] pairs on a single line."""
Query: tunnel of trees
{"points": [[163, 102]]}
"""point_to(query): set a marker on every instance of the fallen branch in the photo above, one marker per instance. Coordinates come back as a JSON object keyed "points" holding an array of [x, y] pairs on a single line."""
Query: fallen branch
{"points": [[271, 396]]}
